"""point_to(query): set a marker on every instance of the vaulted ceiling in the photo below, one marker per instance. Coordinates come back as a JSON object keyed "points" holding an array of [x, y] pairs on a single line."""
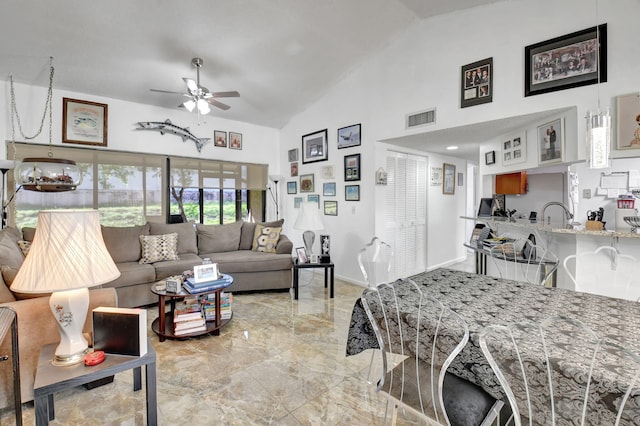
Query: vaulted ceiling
{"points": [[281, 55]]}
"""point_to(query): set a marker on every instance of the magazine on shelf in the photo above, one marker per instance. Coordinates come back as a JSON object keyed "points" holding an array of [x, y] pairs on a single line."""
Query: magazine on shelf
{"points": [[190, 330]]}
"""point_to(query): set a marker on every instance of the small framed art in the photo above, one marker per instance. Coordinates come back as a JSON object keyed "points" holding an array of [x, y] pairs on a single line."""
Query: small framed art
{"points": [[331, 208], [326, 172], [301, 252], [551, 142], [235, 140], [352, 167], [449, 179], [628, 121], [84, 122], [329, 189], [514, 150], [296, 202], [220, 138], [293, 154], [436, 176], [203, 273], [314, 198], [306, 183], [489, 158], [349, 136], [314, 147], [352, 192], [477, 83], [292, 187], [294, 169]]}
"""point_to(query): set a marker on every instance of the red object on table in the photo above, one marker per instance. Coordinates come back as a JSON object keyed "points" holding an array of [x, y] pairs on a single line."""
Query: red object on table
{"points": [[94, 358]]}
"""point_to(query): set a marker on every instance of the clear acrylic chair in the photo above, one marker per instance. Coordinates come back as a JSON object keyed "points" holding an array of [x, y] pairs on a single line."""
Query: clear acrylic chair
{"points": [[560, 372], [374, 260], [606, 272], [521, 260], [419, 338]]}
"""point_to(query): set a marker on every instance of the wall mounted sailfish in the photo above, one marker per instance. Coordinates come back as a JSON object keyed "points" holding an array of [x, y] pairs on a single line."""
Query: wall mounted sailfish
{"points": [[167, 127]]}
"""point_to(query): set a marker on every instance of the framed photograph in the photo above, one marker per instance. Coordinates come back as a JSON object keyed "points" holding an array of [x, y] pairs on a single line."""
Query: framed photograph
{"points": [[220, 138], [331, 208], [294, 169], [296, 202], [489, 158], [306, 183], [84, 122], [349, 136], [460, 179], [449, 178], [325, 243], [381, 176], [329, 189], [293, 155], [550, 142], [314, 147], [235, 140], [352, 167], [514, 150], [204, 273], [436, 176], [314, 198], [327, 172], [476, 85], [292, 187], [571, 60], [628, 121], [301, 252], [352, 192]]}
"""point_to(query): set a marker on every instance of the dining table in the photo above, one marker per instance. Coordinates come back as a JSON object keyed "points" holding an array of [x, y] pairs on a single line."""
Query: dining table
{"points": [[483, 300]]}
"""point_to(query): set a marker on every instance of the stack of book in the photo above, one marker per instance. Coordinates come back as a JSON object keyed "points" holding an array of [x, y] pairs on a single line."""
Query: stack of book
{"points": [[188, 317], [209, 307], [192, 287]]}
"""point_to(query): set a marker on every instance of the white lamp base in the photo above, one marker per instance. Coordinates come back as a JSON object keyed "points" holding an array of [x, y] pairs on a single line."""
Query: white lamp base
{"points": [[70, 311], [308, 237]]}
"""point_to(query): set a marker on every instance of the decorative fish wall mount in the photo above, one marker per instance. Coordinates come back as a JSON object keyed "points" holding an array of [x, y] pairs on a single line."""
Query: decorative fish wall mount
{"points": [[168, 127]]}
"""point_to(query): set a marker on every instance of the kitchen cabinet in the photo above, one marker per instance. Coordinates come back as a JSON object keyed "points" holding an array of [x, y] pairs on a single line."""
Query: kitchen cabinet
{"points": [[511, 183]]}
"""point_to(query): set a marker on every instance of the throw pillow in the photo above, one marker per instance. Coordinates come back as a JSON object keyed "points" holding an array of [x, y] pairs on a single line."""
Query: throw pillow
{"points": [[156, 248], [187, 242], [24, 246], [11, 256], [248, 232], [266, 238]]}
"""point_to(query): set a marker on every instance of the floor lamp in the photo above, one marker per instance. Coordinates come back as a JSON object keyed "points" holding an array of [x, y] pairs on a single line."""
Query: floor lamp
{"points": [[5, 166], [67, 257]]}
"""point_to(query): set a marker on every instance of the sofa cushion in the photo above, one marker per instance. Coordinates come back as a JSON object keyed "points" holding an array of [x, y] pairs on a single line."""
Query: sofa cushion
{"points": [[11, 256], [28, 233], [187, 242], [266, 238], [159, 247], [123, 242], [218, 238], [168, 268], [5, 293], [248, 232], [132, 273], [250, 261]]}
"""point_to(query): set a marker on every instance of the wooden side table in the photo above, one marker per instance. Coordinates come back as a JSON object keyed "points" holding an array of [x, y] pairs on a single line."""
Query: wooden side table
{"points": [[328, 267]]}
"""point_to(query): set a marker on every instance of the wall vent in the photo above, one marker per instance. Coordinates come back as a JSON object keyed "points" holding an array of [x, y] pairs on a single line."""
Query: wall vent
{"points": [[421, 118]]}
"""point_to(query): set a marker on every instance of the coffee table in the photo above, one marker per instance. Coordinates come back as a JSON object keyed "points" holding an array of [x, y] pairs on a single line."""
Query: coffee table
{"points": [[163, 325], [51, 379]]}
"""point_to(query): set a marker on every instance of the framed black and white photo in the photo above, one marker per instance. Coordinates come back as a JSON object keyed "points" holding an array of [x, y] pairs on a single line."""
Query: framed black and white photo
{"points": [[476, 85], [314, 147], [551, 142], [489, 158], [329, 189], [514, 150], [293, 155], [572, 60], [292, 187], [352, 192], [331, 208], [449, 179], [349, 136], [352, 167]]}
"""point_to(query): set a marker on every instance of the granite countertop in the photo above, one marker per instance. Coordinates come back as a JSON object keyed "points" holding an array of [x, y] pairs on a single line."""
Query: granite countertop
{"points": [[556, 228]]}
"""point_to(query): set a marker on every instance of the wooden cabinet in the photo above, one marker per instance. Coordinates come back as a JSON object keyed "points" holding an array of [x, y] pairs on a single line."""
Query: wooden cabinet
{"points": [[511, 183]]}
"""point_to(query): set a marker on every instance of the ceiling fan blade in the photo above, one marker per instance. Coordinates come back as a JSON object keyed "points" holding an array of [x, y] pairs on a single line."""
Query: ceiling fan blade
{"points": [[218, 104], [231, 94], [191, 85], [166, 91]]}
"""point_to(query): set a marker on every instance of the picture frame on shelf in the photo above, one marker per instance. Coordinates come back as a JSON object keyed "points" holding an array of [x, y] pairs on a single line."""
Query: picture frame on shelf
{"points": [[235, 140], [292, 187], [84, 122], [352, 167], [572, 60], [204, 273], [476, 85], [349, 136], [294, 169], [352, 192], [306, 183], [551, 142], [448, 179], [293, 154], [301, 253], [329, 189], [331, 208], [314, 147], [297, 201], [489, 158], [314, 198], [628, 121], [514, 150], [220, 138]]}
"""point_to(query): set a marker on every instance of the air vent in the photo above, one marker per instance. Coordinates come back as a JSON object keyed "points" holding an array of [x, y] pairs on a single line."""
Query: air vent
{"points": [[422, 118]]}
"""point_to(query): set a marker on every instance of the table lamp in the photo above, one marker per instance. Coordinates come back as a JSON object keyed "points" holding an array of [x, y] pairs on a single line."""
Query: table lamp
{"points": [[309, 220], [67, 256]]}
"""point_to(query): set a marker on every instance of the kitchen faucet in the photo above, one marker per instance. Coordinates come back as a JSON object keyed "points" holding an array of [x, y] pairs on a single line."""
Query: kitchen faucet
{"points": [[567, 213]]}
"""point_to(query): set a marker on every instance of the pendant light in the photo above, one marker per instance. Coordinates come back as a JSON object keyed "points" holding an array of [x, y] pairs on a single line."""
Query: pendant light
{"points": [[47, 174], [598, 122]]}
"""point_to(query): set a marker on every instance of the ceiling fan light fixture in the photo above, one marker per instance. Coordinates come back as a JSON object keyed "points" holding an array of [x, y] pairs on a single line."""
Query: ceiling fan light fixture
{"points": [[203, 106], [189, 105]]}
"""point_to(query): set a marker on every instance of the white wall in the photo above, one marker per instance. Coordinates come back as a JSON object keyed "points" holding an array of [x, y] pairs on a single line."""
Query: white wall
{"points": [[421, 69]]}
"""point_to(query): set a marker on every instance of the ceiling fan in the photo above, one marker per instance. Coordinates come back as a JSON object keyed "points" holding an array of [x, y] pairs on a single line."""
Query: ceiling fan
{"points": [[199, 96]]}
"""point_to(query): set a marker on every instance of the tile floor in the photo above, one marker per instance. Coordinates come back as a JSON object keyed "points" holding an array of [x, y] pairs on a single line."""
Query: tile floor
{"points": [[279, 361]]}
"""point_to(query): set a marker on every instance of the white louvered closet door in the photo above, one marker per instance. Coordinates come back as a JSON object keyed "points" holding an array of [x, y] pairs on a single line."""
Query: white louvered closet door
{"points": [[406, 210]]}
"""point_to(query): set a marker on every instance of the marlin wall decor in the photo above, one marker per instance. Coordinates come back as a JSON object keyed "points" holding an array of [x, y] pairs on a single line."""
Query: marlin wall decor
{"points": [[167, 127]]}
